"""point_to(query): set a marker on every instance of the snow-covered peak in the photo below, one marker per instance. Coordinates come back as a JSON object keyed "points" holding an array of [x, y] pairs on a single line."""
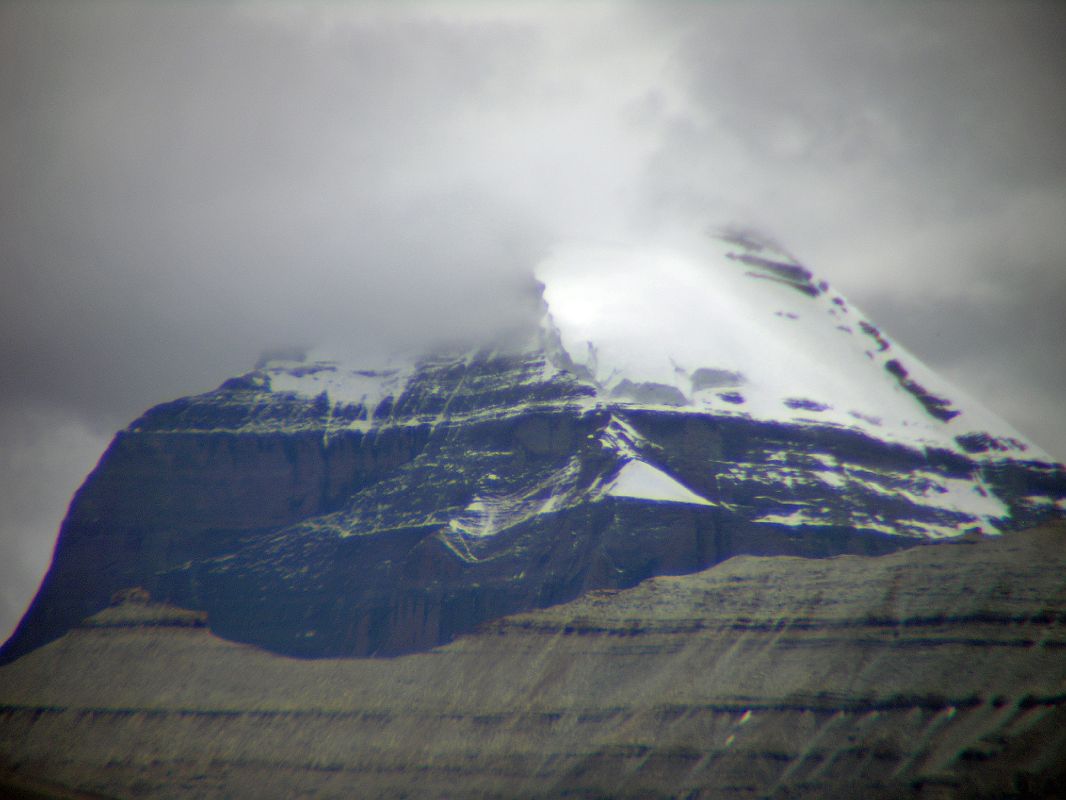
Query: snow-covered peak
{"points": [[742, 328], [734, 327]]}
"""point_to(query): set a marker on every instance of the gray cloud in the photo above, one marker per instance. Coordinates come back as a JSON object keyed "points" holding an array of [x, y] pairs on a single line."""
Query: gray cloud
{"points": [[199, 183], [187, 185], [912, 154]]}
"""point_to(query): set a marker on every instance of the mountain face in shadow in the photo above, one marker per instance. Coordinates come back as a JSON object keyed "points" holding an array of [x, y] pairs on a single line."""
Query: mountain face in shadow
{"points": [[935, 671], [703, 531], [665, 414]]}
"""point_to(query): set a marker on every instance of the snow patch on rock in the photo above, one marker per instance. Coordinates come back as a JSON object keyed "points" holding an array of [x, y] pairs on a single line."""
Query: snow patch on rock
{"points": [[342, 385], [640, 480]]}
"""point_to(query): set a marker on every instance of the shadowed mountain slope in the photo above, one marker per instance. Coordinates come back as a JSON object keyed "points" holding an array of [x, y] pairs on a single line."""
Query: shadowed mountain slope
{"points": [[664, 414], [937, 671]]}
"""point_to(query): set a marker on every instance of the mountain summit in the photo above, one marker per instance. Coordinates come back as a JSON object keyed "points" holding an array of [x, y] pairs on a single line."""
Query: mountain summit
{"points": [[746, 330], [668, 412]]}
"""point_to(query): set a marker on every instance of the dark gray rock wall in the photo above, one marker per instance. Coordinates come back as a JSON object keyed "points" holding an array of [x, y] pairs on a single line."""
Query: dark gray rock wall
{"points": [[934, 672], [318, 528]]}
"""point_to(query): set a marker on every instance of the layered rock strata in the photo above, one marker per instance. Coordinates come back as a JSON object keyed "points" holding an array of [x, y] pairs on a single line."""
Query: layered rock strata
{"points": [[664, 414], [492, 484], [937, 671]]}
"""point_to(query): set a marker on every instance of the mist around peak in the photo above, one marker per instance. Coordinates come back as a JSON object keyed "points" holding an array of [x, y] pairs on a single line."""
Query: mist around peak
{"points": [[187, 186]]}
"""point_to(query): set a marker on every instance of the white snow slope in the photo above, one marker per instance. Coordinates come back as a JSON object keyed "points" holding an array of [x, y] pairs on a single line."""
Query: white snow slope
{"points": [[737, 328], [744, 329]]}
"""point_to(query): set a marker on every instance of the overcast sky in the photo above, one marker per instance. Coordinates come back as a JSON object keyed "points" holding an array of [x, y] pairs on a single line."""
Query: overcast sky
{"points": [[183, 186]]}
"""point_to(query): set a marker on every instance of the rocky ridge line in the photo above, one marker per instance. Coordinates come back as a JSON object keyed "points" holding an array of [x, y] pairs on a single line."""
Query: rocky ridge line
{"points": [[932, 672]]}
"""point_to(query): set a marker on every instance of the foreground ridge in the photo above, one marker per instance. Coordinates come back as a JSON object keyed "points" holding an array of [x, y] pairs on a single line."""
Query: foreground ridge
{"points": [[935, 671]]}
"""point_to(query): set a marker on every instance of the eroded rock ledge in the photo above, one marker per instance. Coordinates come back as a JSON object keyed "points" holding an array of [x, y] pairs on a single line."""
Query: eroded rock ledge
{"points": [[936, 671]]}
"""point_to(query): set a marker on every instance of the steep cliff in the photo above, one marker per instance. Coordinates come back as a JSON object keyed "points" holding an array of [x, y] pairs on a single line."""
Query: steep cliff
{"points": [[666, 414]]}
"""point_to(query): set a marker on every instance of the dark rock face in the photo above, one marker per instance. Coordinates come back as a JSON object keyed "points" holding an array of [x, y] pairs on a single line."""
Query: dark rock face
{"points": [[487, 484], [938, 407], [935, 671]]}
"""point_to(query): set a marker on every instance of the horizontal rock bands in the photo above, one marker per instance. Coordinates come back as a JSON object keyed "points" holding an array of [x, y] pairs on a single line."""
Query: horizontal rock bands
{"points": [[819, 704], [666, 627]]}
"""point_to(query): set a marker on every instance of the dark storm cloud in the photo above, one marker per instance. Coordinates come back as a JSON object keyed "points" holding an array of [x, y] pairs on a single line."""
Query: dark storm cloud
{"points": [[183, 186]]}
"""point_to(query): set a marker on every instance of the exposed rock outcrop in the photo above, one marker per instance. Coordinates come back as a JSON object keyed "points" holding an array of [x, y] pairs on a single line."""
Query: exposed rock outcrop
{"points": [[487, 486], [663, 415], [932, 672]]}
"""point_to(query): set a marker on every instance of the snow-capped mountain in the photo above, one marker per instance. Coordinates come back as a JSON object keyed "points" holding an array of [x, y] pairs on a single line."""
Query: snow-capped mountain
{"points": [[747, 330], [667, 412]]}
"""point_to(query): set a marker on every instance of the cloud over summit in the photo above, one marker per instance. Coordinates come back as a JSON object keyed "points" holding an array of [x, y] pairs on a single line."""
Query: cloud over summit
{"points": [[186, 185]]}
